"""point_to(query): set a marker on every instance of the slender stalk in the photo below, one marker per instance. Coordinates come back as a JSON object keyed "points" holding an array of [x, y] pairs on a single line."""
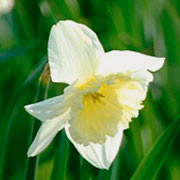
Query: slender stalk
{"points": [[41, 95]]}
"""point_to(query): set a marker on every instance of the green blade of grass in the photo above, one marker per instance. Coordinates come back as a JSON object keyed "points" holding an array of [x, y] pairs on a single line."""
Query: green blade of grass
{"points": [[61, 158], [33, 75], [154, 159]]}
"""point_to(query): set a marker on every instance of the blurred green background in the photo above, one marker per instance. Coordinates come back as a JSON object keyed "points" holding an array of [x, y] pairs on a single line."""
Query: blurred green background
{"points": [[151, 27]]}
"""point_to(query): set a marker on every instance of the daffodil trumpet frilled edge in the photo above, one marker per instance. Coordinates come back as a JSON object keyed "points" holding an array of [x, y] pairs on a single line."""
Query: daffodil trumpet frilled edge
{"points": [[105, 92]]}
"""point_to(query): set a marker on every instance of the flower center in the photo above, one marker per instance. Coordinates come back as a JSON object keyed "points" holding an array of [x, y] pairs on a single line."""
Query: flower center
{"points": [[106, 106], [93, 98]]}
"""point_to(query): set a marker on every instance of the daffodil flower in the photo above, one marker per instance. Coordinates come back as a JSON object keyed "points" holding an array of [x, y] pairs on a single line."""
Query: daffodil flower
{"points": [[105, 92]]}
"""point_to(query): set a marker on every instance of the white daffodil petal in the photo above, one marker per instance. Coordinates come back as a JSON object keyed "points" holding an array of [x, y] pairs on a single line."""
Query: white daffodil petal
{"points": [[73, 51], [99, 155], [46, 133], [144, 77], [47, 109], [114, 62]]}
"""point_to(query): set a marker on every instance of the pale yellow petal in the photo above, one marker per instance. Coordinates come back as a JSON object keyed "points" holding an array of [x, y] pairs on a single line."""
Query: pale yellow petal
{"points": [[99, 155]]}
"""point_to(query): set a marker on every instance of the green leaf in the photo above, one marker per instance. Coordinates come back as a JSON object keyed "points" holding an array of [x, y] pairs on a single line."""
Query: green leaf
{"points": [[61, 158], [12, 109], [154, 159]]}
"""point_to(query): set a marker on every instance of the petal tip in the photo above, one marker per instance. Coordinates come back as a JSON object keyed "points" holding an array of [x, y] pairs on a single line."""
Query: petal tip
{"points": [[27, 107], [107, 167], [161, 61], [157, 64], [63, 22], [30, 154]]}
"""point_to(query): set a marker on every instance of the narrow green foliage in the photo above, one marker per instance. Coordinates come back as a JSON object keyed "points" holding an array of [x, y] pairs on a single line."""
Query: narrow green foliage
{"points": [[61, 158], [12, 108], [154, 159], [151, 27], [32, 161]]}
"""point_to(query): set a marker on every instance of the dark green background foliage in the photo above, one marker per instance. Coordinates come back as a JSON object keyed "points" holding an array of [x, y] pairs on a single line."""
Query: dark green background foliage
{"points": [[151, 27]]}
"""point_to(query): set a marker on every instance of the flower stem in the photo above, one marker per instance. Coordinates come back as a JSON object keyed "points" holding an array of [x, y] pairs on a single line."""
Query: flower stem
{"points": [[42, 90]]}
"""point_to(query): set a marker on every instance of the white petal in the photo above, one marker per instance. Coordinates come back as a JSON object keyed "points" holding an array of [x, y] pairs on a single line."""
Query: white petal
{"points": [[128, 61], [48, 109], [99, 155], [144, 77], [73, 51], [46, 133]]}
